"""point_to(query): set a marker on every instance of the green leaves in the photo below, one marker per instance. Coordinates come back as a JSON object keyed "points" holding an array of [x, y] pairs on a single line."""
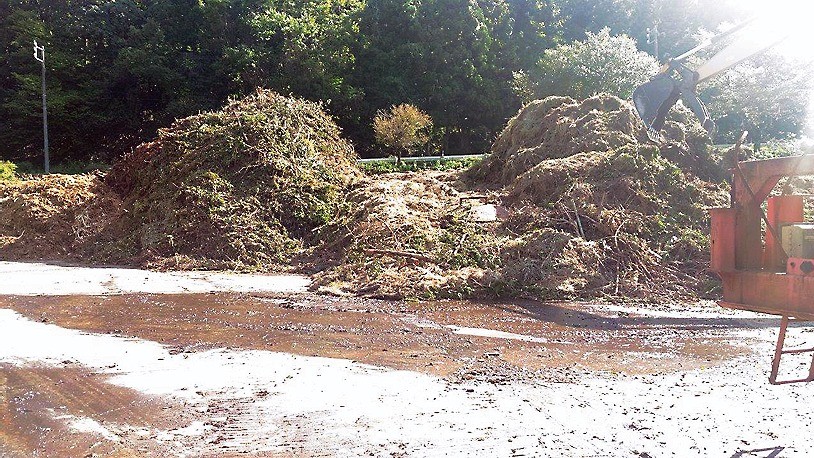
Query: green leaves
{"points": [[403, 128], [7, 171], [305, 47], [119, 70], [452, 58], [600, 63]]}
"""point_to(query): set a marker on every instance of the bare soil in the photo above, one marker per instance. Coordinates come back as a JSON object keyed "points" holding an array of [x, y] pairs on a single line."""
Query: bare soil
{"points": [[431, 337], [273, 374], [42, 408]]}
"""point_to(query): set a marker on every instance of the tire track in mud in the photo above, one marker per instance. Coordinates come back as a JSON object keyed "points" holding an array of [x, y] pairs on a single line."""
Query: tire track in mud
{"points": [[69, 411]]}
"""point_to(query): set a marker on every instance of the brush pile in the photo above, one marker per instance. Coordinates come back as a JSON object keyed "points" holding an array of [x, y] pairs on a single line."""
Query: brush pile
{"points": [[594, 210], [409, 235], [55, 217], [243, 187], [607, 212], [247, 187], [583, 206]]}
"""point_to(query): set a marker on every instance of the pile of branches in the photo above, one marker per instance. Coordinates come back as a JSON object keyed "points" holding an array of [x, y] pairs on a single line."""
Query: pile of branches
{"points": [[613, 213], [55, 216], [245, 187], [590, 209]]}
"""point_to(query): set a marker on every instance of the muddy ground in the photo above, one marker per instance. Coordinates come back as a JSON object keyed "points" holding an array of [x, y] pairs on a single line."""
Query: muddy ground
{"points": [[256, 366]]}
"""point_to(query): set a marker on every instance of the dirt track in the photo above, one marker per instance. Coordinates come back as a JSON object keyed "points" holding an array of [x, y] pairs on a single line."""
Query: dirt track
{"points": [[293, 374]]}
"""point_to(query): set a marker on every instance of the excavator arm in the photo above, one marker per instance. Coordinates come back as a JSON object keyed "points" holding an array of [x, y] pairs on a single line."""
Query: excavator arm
{"points": [[676, 81]]}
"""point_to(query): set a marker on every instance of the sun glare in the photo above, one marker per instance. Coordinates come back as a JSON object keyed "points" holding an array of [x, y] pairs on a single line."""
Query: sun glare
{"points": [[787, 26], [791, 19]]}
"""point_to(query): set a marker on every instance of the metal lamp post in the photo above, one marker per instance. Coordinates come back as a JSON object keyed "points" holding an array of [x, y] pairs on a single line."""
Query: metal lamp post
{"points": [[39, 55]]}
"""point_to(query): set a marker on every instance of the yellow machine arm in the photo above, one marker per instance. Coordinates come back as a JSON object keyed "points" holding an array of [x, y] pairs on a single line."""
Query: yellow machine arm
{"points": [[675, 81]]}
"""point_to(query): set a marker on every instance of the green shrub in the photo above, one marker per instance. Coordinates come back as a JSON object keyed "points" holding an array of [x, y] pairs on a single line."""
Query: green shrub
{"points": [[403, 128], [602, 63], [7, 170]]}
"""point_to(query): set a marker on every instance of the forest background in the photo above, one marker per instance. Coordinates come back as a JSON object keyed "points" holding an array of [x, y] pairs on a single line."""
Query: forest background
{"points": [[119, 70]]}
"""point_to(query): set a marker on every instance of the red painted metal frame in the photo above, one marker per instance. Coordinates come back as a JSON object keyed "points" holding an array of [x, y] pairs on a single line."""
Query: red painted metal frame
{"points": [[779, 352], [800, 266], [755, 275]]}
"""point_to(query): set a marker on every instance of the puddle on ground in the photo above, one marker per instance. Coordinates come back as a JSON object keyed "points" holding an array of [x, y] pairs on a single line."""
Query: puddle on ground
{"points": [[439, 338], [218, 400], [491, 333]]}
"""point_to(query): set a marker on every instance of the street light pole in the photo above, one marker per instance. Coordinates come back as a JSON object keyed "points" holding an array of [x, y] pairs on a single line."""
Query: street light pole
{"points": [[656, 41], [39, 55], [653, 39]]}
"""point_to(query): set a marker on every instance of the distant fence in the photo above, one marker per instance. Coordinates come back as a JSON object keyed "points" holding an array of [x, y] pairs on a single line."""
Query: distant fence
{"points": [[422, 158]]}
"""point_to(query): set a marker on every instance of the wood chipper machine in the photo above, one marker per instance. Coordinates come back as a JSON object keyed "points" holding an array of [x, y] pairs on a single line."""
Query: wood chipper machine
{"points": [[766, 259]]}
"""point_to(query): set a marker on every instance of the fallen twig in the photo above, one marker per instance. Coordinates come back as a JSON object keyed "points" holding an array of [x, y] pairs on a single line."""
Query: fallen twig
{"points": [[402, 254]]}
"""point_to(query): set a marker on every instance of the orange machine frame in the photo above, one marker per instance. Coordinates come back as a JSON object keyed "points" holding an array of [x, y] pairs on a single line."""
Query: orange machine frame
{"points": [[754, 274]]}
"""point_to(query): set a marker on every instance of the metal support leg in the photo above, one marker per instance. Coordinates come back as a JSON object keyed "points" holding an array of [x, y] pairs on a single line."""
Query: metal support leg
{"points": [[779, 352]]}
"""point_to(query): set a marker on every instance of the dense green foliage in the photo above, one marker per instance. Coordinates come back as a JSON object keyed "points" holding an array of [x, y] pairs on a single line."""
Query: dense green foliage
{"points": [[118, 70], [600, 64]]}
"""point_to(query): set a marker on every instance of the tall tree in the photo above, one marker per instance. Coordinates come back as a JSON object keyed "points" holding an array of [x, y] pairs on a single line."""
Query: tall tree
{"points": [[452, 58], [767, 95], [600, 63], [305, 47]]}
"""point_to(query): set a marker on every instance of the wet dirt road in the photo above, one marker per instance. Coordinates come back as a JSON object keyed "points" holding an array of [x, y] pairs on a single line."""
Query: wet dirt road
{"points": [[295, 374]]}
